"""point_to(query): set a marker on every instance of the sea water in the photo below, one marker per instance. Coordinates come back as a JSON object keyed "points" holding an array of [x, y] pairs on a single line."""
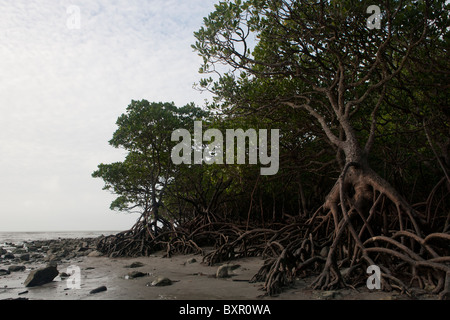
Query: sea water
{"points": [[20, 237]]}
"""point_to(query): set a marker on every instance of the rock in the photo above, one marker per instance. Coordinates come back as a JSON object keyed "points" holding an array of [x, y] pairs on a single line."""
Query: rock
{"points": [[191, 260], [99, 289], [95, 254], [161, 281], [19, 251], [324, 251], [225, 270], [41, 276], [3, 251], [25, 257], [16, 268], [328, 295], [4, 272], [135, 274], [64, 275], [135, 265], [51, 257], [9, 255]]}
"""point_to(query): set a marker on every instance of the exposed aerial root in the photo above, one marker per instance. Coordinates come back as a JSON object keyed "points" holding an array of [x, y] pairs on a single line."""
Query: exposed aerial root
{"points": [[371, 225]]}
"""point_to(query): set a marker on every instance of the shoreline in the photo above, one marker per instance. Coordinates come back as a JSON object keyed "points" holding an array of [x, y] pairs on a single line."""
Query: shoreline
{"points": [[134, 278]]}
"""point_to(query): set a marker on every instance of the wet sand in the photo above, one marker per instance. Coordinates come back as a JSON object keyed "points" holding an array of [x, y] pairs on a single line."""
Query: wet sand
{"points": [[191, 281]]}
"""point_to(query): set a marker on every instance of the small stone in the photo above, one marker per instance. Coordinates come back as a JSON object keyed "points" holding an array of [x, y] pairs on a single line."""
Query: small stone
{"points": [[324, 251], [191, 260], [95, 254], [25, 257], [4, 272], [16, 268], [225, 271], [97, 290], [328, 295], [135, 274], [135, 265], [161, 281], [9, 255]]}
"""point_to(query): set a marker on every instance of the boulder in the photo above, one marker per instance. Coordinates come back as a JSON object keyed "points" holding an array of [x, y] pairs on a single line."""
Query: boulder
{"points": [[41, 276]]}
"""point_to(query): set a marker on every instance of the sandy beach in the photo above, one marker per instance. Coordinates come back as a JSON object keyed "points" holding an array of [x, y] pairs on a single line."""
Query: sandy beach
{"points": [[190, 279]]}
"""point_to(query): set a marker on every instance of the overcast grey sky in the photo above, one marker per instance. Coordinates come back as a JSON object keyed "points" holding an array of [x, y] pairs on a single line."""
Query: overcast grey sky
{"points": [[62, 89]]}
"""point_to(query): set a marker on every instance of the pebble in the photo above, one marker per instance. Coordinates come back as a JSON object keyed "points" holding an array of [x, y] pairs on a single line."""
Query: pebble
{"points": [[97, 290], [160, 282]]}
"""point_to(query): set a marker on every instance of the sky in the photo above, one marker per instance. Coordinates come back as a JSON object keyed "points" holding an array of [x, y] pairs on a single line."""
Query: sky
{"points": [[68, 70]]}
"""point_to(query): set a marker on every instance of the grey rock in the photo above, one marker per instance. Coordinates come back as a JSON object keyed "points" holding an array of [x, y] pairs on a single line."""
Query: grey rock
{"points": [[135, 265], [225, 271], [51, 257], [191, 260], [324, 251], [16, 268], [41, 276], [328, 295], [25, 257], [135, 274], [99, 289], [95, 254], [3, 251], [161, 281], [9, 255], [4, 272], [19, 251]]}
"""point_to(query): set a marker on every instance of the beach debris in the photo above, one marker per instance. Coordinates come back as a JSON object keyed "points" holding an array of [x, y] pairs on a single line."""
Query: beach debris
{"points": [[97, 290], [16, 268], [160, 282], [226, 270], [23, 292], [41, 276]]}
